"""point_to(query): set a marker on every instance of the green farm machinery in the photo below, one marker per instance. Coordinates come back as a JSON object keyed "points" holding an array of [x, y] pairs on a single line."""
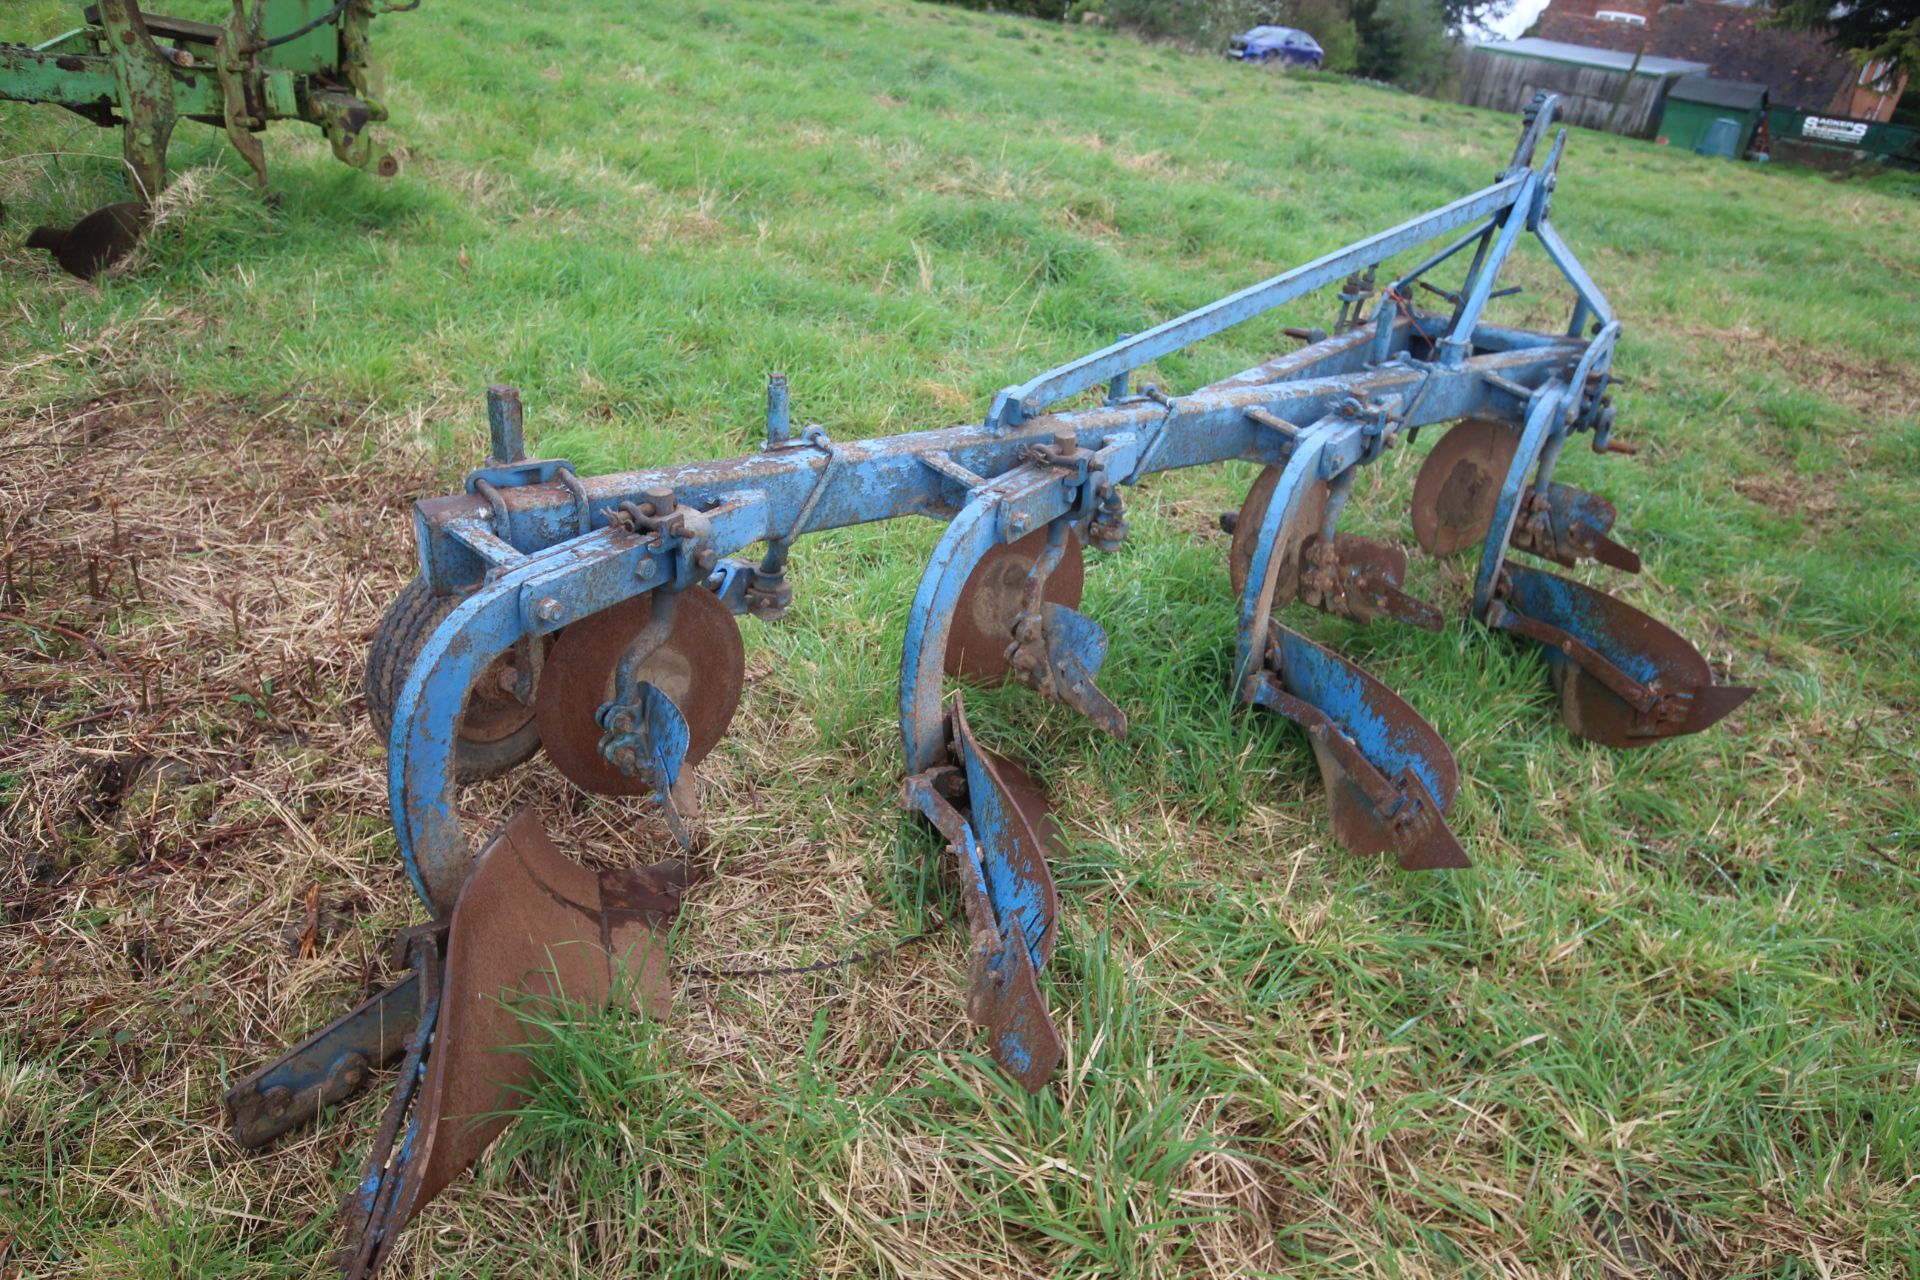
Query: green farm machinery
{"points": [[143, 73]]}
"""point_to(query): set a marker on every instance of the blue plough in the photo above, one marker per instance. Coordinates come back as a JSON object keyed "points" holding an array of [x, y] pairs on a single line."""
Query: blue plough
{"points": [[593, 616]]}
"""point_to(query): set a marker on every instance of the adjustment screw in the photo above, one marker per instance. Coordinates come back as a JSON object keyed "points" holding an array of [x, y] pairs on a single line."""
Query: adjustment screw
{"points": [[547, 610], [659, 500]]}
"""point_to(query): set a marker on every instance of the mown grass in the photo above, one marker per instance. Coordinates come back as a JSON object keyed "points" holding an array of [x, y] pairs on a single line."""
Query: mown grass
{"points": [[1669, 1024]]}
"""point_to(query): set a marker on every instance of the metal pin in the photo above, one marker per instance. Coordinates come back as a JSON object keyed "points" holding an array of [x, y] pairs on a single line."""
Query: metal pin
{"points": [[779, 424], [506, 424]]}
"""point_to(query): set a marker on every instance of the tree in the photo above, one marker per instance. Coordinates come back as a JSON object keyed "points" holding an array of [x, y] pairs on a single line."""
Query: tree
{"points": [[1869, 30], [1467, 16], [1402, 41]]}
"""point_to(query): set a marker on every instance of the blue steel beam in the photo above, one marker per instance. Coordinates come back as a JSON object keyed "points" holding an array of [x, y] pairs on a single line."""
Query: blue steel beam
{"points": [[895, 476], [1033, 397], [1460, 341]]}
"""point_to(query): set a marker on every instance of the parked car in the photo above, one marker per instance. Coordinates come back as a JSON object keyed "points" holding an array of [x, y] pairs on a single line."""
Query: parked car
{"points": [[1288, 46]]}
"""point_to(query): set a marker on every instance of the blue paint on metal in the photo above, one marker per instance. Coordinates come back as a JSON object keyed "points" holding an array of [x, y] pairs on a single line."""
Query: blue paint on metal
{"points": [[1013, 895], [1543, 418], [1591, 298], [1579, 515], [973, 533], [1012, 1051], [1348, 695], [601, 569], [1256, 600], [1344, 415], [1586, 613], [667, 735], [890, 477], [779, 421], [1459, 342], [1016, 404]]}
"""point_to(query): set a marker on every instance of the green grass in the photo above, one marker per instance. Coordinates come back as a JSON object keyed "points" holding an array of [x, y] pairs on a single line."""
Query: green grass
{"points": [[1670, 1019]]}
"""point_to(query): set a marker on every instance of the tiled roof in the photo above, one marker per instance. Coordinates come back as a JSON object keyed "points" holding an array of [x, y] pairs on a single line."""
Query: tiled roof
{"points": [[1798, 68]]}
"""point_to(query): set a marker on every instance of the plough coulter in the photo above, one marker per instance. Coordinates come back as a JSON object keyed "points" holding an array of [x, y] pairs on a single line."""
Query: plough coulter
{"points": [[593, 617]]}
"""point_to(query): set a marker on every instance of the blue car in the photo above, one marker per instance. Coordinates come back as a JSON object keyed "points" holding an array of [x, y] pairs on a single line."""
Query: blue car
{"points": [[1288, 46]]}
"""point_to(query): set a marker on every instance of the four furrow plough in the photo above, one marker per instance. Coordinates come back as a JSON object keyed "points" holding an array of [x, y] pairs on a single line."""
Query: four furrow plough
{"points": [[592, 617]]}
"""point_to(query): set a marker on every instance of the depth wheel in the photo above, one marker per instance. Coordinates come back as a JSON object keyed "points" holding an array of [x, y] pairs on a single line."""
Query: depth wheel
{"points": [[496, 731]]}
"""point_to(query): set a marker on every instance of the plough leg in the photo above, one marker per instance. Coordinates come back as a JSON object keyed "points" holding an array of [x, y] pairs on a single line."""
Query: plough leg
{"points": [[1389, 776], [995, 822], [1624, 680]]}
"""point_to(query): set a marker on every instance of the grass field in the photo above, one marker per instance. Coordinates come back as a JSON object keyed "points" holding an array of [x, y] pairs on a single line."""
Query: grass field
{"points": [[1668, 1025]]}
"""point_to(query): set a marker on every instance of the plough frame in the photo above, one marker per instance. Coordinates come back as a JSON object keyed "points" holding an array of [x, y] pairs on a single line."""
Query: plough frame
{"points": [[531, 548]]}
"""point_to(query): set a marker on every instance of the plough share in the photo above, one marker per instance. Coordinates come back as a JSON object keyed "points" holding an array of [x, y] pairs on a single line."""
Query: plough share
{"points": [[593, 617]]}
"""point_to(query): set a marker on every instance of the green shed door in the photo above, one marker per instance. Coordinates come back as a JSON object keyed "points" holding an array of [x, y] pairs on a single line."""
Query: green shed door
{"points": [[1684, 124]]}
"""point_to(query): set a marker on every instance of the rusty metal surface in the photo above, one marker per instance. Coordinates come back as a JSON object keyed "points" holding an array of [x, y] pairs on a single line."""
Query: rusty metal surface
{"points": [[494, 711], [1568, 525], [1058, 653], [1302, 524], [94, 243], [1458, 487], [530, 925], [995, 820], [995, 594], [1624, 679], [1011, 812], [1389, 776], [701, 666], [330, 1065], [1359, 578]]}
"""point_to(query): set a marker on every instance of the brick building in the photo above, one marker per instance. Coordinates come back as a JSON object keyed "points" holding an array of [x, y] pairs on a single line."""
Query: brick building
{"points": [[1799, 69]]}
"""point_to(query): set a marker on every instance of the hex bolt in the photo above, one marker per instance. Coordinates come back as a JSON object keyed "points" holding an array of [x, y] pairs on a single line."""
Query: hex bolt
{"points": [[548, 609], [1065, 442], [705, 558]]}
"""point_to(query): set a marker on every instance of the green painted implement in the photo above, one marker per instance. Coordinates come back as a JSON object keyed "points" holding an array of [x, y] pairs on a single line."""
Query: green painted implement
{"points": [[285, 60]]}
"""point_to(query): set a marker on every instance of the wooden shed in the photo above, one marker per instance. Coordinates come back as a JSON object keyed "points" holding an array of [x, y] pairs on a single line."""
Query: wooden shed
{"points": [[1599, 88]]}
